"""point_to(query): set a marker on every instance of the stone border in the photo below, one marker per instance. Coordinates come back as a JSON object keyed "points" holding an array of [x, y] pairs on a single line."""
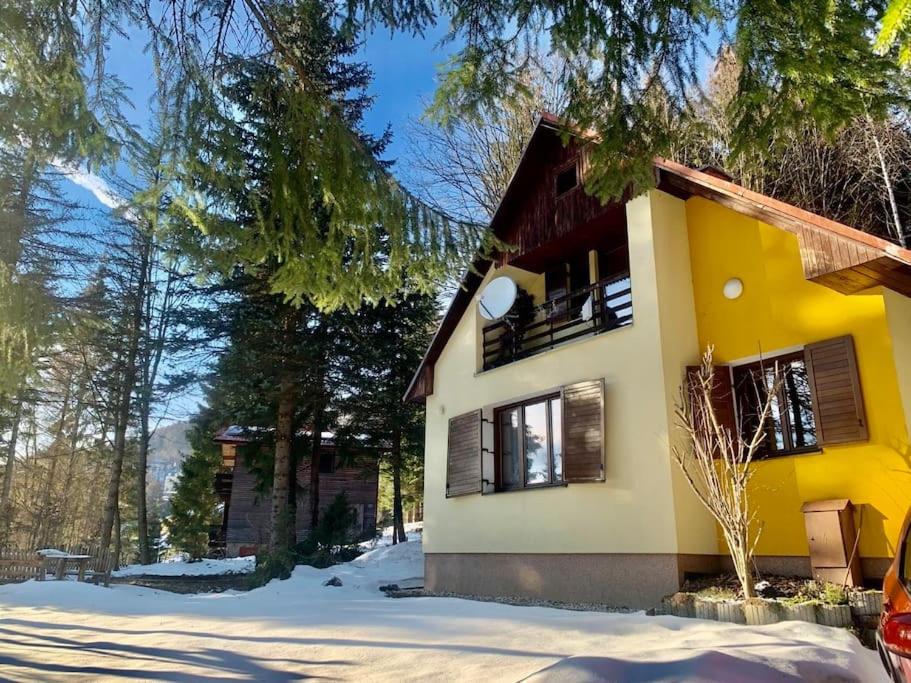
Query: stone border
{"points": [[507, 600], [209, 583]]}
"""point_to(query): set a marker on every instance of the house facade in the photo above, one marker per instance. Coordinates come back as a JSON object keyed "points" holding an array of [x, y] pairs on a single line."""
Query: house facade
{"points": [[548, 468], [247, 506]]}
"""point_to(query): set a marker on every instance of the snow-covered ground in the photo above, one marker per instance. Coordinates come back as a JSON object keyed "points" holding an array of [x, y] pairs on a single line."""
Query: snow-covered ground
{"points": [[234, 565], [413, 531], [299, 628]]}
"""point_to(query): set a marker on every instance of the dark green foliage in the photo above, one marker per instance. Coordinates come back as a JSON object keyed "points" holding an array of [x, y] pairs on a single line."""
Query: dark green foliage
{"points": [[332, 541], [336, 524], [194, 505], [280, 174], [386, 346], [807, 63], [276, 563]]}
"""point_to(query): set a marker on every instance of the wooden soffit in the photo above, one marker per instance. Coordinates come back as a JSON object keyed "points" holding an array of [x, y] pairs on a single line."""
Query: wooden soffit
{"points": [[833, 254]]}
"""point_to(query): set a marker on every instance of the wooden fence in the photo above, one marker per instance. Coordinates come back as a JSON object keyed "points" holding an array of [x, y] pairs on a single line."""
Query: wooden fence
{"points": [[22, 565]]}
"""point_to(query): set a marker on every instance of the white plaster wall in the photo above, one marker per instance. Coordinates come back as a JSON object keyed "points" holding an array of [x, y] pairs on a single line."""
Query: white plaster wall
{"points": [[635, 509]]}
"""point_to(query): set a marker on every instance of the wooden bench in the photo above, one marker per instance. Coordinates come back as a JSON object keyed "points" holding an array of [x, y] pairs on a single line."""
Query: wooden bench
{"points": [[86, 563]]}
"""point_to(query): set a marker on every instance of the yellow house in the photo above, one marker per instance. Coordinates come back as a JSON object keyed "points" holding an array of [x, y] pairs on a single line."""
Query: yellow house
{"points": [[548, 469]]}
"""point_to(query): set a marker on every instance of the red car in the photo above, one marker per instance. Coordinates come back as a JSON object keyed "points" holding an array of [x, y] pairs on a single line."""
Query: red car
{"points": [[893, 637]]}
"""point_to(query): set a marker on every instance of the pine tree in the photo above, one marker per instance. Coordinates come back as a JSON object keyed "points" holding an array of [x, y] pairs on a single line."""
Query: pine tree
{"points": [[194, 503], [386, 346], [279, 172]]}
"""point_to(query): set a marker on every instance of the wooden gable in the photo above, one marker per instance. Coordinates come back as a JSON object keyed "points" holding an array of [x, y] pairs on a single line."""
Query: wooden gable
{"points": [[534, 217]]}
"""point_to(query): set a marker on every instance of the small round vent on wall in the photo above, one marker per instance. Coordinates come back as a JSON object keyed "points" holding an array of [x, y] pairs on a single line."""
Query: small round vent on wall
{"points": [[733, 288]]}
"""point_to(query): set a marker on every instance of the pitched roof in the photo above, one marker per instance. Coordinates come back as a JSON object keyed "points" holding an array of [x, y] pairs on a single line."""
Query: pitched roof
{"points": [[833, 254]]}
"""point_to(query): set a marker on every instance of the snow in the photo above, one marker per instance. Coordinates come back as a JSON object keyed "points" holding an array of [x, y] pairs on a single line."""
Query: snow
{"points": [[298, 628], [413, 531], [52, 552], [236, 565]]}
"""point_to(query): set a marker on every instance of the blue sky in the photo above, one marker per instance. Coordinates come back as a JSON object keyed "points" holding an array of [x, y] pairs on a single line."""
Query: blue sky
{"points": [[404, 67]]}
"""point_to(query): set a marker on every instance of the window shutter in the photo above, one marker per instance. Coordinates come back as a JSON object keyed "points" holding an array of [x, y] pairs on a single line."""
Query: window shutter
{"points": [[835, 388], [722, 395], [583, 431], [463, 461]]}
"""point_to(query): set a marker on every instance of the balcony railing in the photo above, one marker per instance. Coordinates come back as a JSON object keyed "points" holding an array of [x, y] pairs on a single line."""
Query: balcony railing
{"points": [[223, 482], [605, 305]]}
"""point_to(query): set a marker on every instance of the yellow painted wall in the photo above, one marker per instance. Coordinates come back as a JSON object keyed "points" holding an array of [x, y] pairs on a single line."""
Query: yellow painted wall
{"points": [[635, 509], [780, 309], [898, 315]]}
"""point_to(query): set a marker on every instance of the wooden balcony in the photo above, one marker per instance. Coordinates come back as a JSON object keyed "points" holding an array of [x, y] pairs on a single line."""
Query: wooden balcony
{"points": [[605, 305], [223, 482]]}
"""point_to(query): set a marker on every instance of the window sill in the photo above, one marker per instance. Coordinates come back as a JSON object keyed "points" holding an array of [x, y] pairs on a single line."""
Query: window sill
{"points": [[812, 450], [536, 487]]}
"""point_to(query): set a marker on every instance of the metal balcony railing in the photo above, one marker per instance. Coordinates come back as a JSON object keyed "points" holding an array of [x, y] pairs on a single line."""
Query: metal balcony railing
{"points": [[605, 305]]}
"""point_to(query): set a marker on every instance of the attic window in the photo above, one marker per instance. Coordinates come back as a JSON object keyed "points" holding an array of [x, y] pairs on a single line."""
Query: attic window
{"points": [[567, 179]]}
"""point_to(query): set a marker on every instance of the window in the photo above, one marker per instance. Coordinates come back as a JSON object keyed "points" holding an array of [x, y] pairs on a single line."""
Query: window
{"points": [[327, 463], [567, 179], [792, 423], [563, 280], [529, 438]]}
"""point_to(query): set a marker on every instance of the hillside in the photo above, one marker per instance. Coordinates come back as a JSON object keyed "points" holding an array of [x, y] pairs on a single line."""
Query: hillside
{"points": [[167, 449]]}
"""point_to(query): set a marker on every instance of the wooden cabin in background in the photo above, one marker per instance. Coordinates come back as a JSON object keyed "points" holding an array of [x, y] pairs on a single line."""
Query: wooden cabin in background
{"points": [[247, 506]]}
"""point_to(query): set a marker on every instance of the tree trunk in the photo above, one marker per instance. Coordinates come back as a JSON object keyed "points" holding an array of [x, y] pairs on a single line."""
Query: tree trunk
{"points": [[110, 512], [118, 537], [282, 523], [56, 447], [887, 181], [398, 518], [5, 509], [128, 377], [142, 516], [71, 461], [316, 443]]}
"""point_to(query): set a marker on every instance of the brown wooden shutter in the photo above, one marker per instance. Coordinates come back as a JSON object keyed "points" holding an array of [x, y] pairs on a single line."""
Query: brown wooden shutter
{"points": [[463, 461], [722, 394], [583, 431], [835, 388]]}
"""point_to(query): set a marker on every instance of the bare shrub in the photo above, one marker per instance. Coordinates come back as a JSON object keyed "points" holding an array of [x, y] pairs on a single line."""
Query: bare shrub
{"points": [[716, 461]]}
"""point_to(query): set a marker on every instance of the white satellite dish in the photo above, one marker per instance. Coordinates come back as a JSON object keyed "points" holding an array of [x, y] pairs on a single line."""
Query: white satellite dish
{"points": [[497, 298]]}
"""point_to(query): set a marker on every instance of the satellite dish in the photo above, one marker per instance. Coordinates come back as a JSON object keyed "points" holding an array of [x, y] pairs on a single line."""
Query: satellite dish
{"points": [[497, 298]]}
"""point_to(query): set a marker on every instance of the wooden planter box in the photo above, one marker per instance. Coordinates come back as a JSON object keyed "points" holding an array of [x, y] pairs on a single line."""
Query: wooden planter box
{"points": [[834, 615], [803, 612], [758, 612], [865, 603], [731, 612], [680, 605], [705, 609]]}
